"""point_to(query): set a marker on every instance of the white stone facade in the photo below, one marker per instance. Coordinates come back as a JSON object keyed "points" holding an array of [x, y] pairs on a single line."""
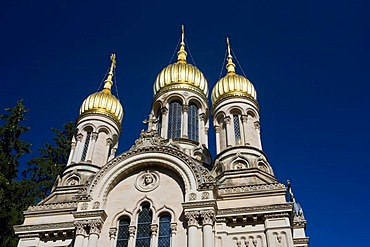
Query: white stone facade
{"points": [[233, 199]]}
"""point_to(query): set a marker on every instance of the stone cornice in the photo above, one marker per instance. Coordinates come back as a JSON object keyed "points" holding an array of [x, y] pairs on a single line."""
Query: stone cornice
{"points": [[44, 227], [301, 240], [53, 207], [255, 209], [251, 188], [199, 204], [299, 224], [90, 214]]}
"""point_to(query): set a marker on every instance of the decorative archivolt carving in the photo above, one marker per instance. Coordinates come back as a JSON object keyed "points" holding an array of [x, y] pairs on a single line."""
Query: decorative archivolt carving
{"points": [[151, 142], [250, 188]]}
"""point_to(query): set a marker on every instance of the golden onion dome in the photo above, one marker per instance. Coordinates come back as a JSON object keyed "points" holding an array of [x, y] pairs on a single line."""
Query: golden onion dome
{"points": [[181, 74], [232, 84], [104, 102]]}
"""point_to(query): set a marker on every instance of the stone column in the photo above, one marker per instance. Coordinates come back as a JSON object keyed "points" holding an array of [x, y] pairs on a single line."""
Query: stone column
{"points": [[95, 228], [218, 141], [131, 237], [80, 233], [184, 121], [164, 130], [112, 236], [192, 218], [244, 119], [229, 131], [258, 130], [154, 232], [207, 219], [201, 128], [73, 147], [79, 146], [173, 234], [94, 137]]}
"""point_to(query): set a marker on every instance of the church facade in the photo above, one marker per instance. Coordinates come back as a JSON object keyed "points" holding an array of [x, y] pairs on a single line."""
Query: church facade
{"points": [[167, 190]]}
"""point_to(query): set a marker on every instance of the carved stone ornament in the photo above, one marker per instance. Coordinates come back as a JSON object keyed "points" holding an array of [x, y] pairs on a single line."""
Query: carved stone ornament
{"points": [[84, 206], [208, 217], [147, 181], [192, 218], [96, 205], [205, 195], [192, 196], [95, 226], [112, 233]]}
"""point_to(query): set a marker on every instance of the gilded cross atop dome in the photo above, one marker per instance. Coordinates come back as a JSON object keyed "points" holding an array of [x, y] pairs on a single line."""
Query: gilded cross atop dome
{"points": [[108, 82], [230, 66], [181, 55], [104, 102]]}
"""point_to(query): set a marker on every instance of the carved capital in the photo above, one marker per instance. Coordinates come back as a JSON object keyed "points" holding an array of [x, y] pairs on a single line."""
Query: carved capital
{"points": [[227, 120], [257, 125], [109, 141], [173, 228], [185, 108], [80, 227], [244, 118], [164, 111], [202, 117], [73, 145], [154, 229], [131, 231], [112, 233], [95, 226], [79, 137], [217, 129], [94, 136], [208, 217], [192, 218]]}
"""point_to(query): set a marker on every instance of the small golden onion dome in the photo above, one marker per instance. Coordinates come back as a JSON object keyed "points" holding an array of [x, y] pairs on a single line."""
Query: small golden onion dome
{"points": [[232, 84], [104, 102], [181, 74]]}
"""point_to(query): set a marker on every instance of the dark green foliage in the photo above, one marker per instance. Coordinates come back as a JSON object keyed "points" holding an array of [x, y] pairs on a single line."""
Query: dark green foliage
{"points": [[52, 159], [14, 195]]}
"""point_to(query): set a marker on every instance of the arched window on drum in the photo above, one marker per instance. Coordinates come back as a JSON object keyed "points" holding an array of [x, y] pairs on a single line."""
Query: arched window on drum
{"points": [[193, 122], [174, 119]]}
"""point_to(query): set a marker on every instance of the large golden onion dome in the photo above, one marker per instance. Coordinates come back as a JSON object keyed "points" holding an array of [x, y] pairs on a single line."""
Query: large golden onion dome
{"points": [[104, 102], [181, 75], [232, 84]]}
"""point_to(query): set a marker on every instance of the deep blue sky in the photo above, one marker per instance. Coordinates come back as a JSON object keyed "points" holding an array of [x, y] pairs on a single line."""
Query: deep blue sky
{"points": [[309, 61]]}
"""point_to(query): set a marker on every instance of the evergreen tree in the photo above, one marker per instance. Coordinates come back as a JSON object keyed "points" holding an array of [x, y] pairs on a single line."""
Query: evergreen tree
{"points": [[52, 159], [14, 195]]}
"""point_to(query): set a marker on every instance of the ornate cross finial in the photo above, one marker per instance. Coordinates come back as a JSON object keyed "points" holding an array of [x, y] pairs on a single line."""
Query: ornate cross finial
{"points": [[150, 122], [108, 82], [230, 66], [113, 65], [228, 47], [182, 34], [181, 55]]}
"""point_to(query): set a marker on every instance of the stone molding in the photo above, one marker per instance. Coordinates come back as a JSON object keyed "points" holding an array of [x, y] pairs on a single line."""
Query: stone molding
{"points": [[299, 224], [52, 206], [301, 240], [251, 188], [256, 209], [151, 142], [276, 215], [88, 214], [44, 227], [199, 204]]}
